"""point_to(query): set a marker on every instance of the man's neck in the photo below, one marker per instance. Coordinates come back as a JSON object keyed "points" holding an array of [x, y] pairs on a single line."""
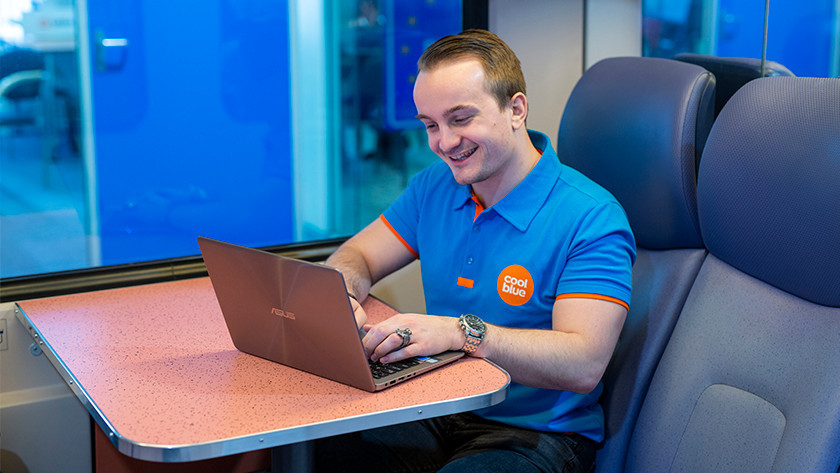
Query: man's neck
{"points": [[492, 190]]}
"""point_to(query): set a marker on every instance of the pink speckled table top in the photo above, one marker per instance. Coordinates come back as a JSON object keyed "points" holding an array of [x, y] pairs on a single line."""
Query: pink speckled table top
{"points": [[156, 368]]}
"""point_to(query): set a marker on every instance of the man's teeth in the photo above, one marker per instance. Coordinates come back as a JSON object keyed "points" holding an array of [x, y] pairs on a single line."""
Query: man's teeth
{"points": [[463, 156]]}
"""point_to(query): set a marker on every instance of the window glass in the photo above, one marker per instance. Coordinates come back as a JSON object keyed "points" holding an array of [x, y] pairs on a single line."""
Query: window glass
{"points": [[802, 36], [129, 128], [382, 144], [41, 180]]}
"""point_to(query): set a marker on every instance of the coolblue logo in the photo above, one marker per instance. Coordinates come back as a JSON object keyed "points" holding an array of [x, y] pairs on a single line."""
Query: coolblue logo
{"points": [[283, 313], [515, 285]]}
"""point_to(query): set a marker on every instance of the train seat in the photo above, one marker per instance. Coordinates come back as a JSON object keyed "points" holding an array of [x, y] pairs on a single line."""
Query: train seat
{"points": [[749, 379], [635, 125]]}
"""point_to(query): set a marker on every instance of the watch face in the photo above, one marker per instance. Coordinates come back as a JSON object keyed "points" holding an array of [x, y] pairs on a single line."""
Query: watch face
{"points": [[474, 322]]}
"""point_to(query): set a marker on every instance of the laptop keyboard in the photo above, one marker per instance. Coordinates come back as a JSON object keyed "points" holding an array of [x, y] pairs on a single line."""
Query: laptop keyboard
{"points": [[380, 370]]}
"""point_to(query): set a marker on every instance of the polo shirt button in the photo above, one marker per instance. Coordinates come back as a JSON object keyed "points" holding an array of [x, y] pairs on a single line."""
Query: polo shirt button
{"points": [[477, 228], [470, 260]]}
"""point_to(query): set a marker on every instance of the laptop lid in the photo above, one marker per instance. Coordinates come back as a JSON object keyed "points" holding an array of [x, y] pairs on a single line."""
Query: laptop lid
{"points": [[295, 313]]}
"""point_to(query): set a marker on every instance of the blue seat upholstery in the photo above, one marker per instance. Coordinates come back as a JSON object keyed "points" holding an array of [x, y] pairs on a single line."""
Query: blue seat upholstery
{"points": [[731, 73], [635, 126], [749, 380]]}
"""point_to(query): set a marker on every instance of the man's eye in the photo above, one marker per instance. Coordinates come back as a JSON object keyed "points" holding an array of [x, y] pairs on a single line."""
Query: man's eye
{"points": [[430, 126], [462, 120]]}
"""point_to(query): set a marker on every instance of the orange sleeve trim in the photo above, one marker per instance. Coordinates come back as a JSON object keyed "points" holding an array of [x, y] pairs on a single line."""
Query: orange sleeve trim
{"points": [[464, 282], [399, 237], [583, 295]]}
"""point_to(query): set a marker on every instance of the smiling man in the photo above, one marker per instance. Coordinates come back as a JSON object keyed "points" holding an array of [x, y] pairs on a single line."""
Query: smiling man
{"points": [[484, 143], [525, 262]]}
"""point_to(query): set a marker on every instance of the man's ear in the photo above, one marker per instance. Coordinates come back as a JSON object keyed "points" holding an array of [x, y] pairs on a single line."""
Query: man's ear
{"points": [[519, 107]]}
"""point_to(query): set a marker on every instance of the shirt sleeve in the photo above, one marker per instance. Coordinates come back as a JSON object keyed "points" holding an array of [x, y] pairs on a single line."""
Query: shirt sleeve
{"points": [[601, 257], [403, 216]]}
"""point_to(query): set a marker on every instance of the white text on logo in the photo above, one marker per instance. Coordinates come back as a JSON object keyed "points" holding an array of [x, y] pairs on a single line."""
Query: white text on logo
{"points": [[515, 286]]}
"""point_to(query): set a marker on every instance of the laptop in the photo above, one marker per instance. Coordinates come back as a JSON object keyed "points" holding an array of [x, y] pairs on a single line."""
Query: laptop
{"points": [[299, 314]]}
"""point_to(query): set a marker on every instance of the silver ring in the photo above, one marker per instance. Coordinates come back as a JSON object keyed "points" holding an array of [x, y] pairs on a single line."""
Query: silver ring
{"points": [[405, 335]]}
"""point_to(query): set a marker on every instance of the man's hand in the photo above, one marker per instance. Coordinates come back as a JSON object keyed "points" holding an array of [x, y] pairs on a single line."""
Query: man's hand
{"points": [[430, 335]]}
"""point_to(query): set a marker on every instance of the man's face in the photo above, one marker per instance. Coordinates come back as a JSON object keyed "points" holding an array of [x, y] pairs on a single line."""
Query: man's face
{"points": [[465, 126]]}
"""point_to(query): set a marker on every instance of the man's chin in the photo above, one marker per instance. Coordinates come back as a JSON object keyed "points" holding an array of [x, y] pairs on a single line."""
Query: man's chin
{"points": [[460, 172], [463, 179]]}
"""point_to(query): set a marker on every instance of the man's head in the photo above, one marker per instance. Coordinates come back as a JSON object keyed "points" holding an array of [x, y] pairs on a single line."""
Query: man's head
{"points": [[502, 71], [474, 109]]}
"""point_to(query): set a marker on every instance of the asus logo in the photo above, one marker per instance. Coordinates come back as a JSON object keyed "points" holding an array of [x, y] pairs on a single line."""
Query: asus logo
{"points": [[283, 313]]}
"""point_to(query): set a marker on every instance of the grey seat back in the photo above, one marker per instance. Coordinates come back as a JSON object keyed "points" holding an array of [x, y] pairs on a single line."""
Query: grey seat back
{"points": [[635, 125], [749, 381]]}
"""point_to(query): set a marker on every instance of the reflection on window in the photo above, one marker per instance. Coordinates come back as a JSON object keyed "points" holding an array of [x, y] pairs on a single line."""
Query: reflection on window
{"points": [[42, 210], [129, 128], [382, 143], [802, 36]]}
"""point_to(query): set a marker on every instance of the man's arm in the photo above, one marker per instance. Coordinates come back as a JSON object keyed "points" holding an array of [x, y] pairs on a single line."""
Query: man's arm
{"points": [[572, 356], [367, 257]]}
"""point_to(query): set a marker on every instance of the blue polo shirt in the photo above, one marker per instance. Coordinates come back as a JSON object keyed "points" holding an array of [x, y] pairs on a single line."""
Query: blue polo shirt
{"points": [[555, 235]]}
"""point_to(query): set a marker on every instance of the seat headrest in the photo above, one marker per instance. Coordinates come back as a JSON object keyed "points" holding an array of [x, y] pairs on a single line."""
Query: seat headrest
{"points": [[769, 185], [731, 73], [636, 126], [746, 68]]}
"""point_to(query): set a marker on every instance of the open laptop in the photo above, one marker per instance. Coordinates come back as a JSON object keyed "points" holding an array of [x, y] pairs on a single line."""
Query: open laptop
{"points": [[299, 314]]}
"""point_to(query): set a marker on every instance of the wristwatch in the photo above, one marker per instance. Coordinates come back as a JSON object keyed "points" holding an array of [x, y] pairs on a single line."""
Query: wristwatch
{"points": [[474, 330]]}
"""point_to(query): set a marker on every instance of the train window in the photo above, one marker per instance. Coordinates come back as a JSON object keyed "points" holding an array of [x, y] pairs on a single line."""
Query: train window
{"points": [[802, 36], [129, 128]]}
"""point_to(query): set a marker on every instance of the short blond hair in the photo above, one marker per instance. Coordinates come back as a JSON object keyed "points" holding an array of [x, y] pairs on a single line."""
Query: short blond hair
{"points": [[502, 70]]}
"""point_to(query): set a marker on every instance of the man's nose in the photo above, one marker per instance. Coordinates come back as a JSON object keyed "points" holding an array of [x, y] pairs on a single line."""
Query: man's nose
{"points": [[449, 140]]}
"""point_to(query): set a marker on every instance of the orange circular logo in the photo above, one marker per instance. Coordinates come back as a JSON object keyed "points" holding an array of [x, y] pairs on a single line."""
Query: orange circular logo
{"points": [[515, 285]]}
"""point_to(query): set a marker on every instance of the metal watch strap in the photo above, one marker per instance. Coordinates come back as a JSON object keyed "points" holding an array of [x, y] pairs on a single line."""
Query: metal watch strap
{"points": [[471, 344], [472, 335]]}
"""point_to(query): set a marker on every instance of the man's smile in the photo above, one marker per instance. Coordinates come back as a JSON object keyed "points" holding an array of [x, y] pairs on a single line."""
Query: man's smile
{"points": [[464, 155]]}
